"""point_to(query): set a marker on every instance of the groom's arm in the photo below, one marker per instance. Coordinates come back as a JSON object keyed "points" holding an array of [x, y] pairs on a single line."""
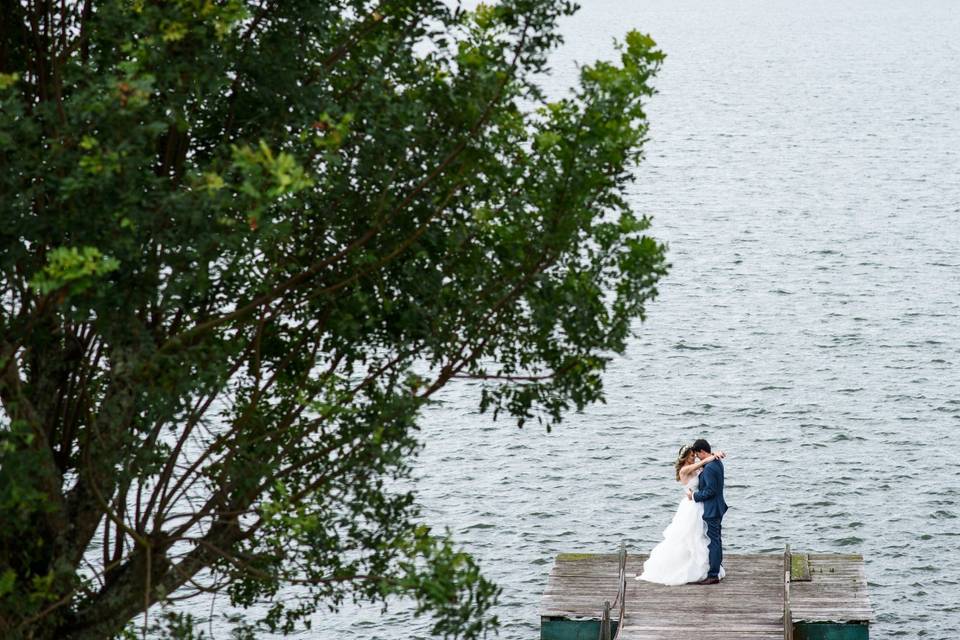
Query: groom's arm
{"points": [[709, 490]]}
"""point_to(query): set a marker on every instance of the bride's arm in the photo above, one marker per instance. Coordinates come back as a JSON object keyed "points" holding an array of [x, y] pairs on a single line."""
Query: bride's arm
{"points": [[690, 468]]}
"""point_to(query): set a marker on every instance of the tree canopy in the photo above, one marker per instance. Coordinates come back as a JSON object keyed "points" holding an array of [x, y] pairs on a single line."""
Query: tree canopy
{"points": [[242, 242]]}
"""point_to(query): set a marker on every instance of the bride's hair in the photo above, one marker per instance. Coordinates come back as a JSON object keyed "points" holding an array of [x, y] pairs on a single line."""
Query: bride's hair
{"points": [[681, 459]]}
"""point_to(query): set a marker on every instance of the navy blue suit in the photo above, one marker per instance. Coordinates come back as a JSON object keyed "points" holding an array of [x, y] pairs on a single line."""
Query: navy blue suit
{"points": [[710, 493]]}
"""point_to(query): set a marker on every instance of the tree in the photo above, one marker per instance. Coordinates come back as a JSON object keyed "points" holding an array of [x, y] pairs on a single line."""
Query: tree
{"points": [[242, 243]]}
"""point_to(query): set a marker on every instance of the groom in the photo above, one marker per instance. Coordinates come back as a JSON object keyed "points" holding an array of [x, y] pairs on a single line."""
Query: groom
{"points": [[710, 493]]}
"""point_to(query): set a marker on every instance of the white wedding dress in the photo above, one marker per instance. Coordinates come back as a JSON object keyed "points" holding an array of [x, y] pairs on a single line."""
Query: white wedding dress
{"points": [[683, 555]]}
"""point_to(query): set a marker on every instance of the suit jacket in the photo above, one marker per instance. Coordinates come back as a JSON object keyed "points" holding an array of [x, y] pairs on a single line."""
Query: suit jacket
{"points": [[711, 491]]}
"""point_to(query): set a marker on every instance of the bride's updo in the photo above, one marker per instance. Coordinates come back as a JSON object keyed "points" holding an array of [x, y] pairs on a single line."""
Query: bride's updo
{"points": [[682, 459]]}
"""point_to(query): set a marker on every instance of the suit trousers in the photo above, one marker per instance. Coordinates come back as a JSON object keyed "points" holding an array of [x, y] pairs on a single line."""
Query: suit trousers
{"points": [[716, 546]]}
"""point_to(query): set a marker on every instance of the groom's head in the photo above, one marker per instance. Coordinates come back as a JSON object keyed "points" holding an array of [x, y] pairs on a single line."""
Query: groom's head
{"points": [[702, 447]]}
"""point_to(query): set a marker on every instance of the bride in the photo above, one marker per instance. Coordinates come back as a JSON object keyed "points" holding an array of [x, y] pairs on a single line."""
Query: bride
{"points": [[683, 557]]}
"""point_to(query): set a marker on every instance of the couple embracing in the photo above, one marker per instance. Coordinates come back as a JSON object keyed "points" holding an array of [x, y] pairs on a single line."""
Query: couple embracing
{"points": [[692, 549]]}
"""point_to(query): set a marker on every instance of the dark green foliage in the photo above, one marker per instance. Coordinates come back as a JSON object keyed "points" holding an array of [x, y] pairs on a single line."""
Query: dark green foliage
{"points": [[241, 244]]}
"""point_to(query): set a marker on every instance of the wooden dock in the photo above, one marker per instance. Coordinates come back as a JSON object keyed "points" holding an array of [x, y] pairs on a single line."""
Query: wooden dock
{"points": [[824, 597]]}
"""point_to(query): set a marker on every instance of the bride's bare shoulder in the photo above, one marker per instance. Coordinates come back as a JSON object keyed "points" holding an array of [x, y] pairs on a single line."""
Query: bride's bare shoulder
{"points": [[686, 477]]}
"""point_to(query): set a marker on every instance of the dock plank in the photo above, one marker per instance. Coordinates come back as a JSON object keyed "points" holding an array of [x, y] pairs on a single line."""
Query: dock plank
{"points": [[747, 604], [837, 591]]}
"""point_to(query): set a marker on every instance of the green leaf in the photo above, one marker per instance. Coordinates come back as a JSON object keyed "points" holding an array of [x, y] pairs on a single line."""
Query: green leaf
{"points": [[7, 581], [8, 80], [73, 268]]}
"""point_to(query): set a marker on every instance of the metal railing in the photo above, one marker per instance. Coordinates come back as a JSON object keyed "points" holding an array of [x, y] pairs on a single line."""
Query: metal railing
{"points": [[787, 613], [620, 602]]}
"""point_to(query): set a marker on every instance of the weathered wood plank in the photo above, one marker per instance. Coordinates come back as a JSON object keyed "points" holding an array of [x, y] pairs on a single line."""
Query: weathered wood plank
{"points": [[837, 591]]}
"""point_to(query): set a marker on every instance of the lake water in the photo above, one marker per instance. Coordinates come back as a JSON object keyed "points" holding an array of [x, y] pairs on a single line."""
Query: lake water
{"points": [[804, 169]]}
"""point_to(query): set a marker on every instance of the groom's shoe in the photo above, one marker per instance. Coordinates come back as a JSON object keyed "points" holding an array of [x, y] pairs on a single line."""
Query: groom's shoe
{"points": [[708, 581]]}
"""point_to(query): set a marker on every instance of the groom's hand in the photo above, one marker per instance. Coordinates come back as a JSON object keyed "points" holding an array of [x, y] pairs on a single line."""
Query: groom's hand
{"points": [[689, 494]]}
